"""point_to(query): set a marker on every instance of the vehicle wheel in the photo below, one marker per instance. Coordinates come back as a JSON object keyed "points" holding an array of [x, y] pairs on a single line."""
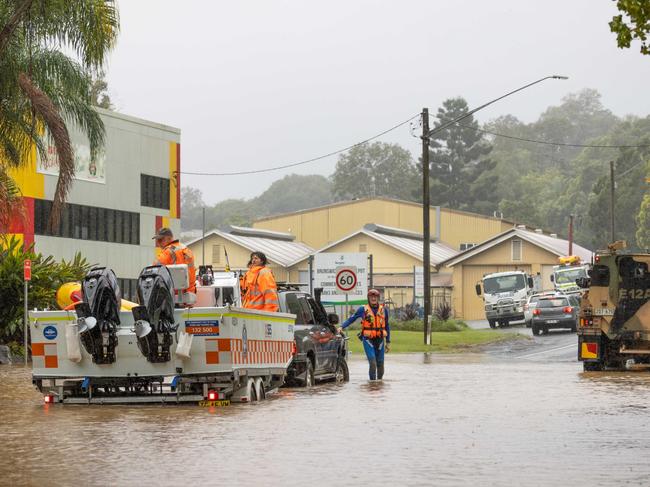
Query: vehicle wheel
{"points": [[492, 323], [528, 324], [592, 366], [574, 328], [342, 373], [309, 375], [536, 330], [545, 330], [259, 389]]}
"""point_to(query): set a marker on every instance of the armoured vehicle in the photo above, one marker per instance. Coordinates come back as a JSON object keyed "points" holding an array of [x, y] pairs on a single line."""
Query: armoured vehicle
{"points": [[614, 331]]}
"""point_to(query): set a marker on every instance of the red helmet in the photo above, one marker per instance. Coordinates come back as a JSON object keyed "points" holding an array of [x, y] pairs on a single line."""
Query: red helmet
{"points": [[373, 292]]}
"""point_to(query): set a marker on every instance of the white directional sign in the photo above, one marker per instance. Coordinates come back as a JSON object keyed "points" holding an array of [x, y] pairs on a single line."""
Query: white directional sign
{"points": [[419, 281], [327, 264], [346, 279]]}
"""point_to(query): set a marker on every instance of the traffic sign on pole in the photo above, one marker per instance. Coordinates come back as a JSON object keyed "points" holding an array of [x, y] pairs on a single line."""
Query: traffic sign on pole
{"points": [[27, 269], [346, 279]]}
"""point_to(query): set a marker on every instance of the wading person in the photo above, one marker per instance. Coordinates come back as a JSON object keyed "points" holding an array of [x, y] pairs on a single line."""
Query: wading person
{"points": [[374, 330], [174, 252], [259, 290]]}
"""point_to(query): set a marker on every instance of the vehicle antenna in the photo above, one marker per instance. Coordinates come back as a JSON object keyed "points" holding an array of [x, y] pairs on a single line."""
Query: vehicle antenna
{"points": [[225, 251]]}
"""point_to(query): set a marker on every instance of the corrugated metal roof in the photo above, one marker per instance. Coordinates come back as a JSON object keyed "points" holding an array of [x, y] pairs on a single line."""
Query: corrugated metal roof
{"points": [[280, 251], [413, 247], [554, 245]]}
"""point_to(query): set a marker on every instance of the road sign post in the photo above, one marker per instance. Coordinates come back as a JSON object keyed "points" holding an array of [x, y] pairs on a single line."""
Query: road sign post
{"points": [[27, 276], [346, 283]]}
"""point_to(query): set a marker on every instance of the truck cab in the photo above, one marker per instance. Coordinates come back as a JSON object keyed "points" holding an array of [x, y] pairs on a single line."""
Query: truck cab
{"points": [[566, 274], [504, 295]]}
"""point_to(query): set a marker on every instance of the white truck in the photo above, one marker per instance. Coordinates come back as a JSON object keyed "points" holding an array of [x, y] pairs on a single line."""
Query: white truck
{"points": [[504, 296], [564, 275]]}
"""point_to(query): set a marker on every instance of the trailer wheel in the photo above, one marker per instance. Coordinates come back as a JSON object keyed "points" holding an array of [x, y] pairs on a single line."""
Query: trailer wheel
{"points": [[252, 395], [342, 373]]}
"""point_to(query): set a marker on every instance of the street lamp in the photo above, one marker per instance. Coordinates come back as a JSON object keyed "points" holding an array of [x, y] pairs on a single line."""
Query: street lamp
{"points": [[426, 136]]}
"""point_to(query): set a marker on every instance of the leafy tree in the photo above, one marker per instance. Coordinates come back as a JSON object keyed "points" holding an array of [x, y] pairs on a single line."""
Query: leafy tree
{"points": [[376, 169], [47, 276], [460, 170], [42, 88], [99, 92], [192, 205], [643, 223], [633, 23], [294, 192]]}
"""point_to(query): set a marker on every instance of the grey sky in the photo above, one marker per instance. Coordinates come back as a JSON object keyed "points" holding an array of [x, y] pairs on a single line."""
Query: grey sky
{"points": [[255, 84]]}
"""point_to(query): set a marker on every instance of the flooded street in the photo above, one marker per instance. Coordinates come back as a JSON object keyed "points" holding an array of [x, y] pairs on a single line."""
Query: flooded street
{"points": [[472, 419]]}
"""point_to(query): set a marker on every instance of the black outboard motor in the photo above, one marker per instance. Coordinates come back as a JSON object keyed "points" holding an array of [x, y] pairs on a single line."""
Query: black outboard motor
{"points": [[99, 314], [154, 318]]}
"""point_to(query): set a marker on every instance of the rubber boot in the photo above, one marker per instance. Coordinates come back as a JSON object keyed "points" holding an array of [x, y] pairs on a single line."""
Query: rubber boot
{"points": [[380, 370], [373, 369]]}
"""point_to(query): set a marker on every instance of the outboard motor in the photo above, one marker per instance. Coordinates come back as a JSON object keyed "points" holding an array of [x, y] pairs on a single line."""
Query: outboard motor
{"points": [[154, 318], [99, 314]]}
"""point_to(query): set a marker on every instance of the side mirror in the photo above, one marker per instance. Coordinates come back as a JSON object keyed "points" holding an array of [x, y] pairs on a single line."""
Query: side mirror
{"points": [[478, 289], [333, 318], [531, 284], [583, 282], [552, 278]]}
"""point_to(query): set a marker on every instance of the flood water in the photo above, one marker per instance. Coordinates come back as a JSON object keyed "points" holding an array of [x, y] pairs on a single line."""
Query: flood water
{"points": [[470, 419]]}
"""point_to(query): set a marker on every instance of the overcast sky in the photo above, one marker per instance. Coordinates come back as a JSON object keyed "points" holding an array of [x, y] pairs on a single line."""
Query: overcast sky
{"points": [[257, 84]]}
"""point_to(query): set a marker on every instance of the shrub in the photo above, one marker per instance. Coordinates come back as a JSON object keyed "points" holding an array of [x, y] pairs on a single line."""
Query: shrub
{"points": [[443, 311], [47, 276]]}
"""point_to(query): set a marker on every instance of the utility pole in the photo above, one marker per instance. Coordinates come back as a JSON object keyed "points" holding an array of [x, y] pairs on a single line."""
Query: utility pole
{"points": [[203, 239], [426, 226], [612, 200], [570, 235]]}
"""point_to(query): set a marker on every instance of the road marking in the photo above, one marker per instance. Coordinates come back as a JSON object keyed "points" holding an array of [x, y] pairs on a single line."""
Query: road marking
{"points": [[547, 351]]}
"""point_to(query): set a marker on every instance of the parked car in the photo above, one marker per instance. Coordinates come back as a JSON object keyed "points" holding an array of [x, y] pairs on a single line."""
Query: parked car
{"points": [[320, 351], [554, 312], [529, 306]]}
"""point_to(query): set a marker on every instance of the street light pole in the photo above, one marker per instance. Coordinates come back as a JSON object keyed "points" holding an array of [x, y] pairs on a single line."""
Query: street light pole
{"points": [[426, 244]]}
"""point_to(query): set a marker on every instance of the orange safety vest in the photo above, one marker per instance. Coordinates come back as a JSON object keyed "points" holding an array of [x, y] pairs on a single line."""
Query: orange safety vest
{"points": [[259, 289], [373, 325], [177, 253]]}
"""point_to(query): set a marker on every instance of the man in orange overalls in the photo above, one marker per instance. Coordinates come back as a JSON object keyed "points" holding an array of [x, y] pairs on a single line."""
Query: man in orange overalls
{"points": [[174, 252]]}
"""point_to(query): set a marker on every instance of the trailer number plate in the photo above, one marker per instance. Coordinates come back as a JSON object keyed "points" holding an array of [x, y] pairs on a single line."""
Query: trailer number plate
{"points": [[604, 312], [214, 404]]}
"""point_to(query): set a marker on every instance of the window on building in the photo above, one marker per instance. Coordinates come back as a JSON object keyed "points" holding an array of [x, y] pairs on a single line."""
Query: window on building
{"points": [[128, 288], [154, 191], [516, 249], [216, 254], [465, 246], [83, 222], [363, 247]]}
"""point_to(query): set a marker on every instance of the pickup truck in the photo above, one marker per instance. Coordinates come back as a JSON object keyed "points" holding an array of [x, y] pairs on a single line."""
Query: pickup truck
{"points": [[321, 352]]}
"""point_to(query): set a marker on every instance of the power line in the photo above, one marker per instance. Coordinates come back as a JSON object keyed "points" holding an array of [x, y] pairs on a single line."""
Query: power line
{"points": [[294, 164], [546, 142]]}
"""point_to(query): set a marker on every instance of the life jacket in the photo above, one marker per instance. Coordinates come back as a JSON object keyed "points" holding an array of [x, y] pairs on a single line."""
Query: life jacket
{"points": [[177, 253], [260, 290], [373, 325]]}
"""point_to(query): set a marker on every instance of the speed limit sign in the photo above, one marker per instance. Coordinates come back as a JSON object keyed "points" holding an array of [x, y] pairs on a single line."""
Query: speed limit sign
{"points": [[346, 279]]}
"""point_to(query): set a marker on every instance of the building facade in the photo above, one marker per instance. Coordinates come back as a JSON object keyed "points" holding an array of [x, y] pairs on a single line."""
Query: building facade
{"points": [[117, 200]]}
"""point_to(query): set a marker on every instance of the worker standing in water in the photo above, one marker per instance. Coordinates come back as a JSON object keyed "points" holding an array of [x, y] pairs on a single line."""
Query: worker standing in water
{"points": [[375, 333]]}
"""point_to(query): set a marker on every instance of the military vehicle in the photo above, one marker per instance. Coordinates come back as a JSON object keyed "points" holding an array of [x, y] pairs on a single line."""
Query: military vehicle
{"points": [[614, 331]]}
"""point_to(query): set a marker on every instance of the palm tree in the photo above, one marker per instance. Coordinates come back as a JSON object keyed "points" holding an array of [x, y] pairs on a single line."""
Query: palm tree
{"points": [[43, 90]]}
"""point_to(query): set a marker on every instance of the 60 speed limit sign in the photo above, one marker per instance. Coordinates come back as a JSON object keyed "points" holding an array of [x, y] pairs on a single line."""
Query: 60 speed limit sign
{"points": [[346, 279]]}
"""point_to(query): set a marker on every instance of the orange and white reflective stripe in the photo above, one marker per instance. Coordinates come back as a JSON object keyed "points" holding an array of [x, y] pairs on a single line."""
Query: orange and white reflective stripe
{"points": [[258, 351]]}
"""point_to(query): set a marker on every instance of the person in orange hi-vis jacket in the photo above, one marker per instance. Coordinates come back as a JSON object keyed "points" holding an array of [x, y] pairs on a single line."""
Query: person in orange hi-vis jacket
{"points": [[259, 290], [174, 252]]}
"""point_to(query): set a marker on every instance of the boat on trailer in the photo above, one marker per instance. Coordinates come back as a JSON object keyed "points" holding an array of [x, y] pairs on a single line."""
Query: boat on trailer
{"points": [[161, 351]]}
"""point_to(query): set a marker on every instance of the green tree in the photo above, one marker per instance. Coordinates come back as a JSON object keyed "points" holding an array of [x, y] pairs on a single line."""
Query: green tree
{"points": [[99, 92], [633, 23], [461, 173], [376, 169], [47, 276], [41, 88], [294, 192], [643, 223]]}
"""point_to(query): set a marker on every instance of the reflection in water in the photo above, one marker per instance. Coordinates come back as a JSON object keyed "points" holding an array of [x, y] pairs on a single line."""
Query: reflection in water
{"points": [[437, 420]]}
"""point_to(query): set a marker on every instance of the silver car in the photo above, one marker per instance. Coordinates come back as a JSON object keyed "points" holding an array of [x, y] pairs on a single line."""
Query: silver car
{"points": [[531, 303]]}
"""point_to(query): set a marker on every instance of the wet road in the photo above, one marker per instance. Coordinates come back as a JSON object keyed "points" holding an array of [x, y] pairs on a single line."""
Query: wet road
{"points": [[520, 414]]}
